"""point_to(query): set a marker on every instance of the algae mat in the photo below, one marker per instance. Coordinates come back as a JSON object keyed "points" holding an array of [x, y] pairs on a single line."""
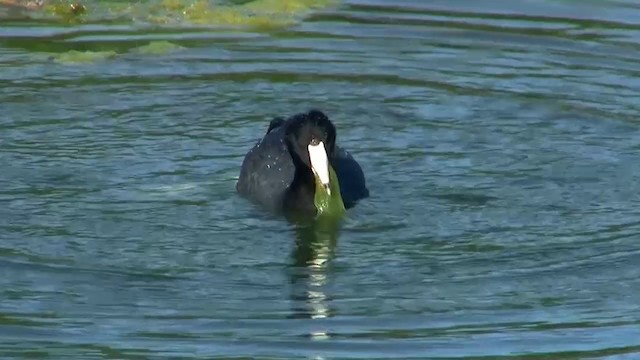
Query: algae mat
{"points": [[89, 56], [258, 15], [252, 14]]}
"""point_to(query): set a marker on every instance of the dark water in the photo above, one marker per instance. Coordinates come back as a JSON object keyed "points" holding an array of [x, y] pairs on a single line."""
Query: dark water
{"points": [[500, 142]]}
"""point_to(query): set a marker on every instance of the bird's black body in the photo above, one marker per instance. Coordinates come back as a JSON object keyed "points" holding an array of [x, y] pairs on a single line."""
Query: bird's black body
{"points": [[276, 173]]}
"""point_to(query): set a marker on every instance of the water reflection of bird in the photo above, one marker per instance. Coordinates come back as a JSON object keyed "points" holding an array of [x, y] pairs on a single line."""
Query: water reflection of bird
{"points": [[309, 273]]}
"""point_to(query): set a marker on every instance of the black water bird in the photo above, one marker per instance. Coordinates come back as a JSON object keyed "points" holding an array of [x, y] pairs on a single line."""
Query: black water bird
{"points": [[297, 168]]}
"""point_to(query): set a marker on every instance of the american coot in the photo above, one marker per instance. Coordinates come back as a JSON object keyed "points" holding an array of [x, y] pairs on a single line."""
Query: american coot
{"points": [[296, 168]]}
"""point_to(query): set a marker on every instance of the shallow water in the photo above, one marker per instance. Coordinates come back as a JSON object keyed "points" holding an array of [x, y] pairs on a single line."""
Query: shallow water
{"points": [[500, 143]]}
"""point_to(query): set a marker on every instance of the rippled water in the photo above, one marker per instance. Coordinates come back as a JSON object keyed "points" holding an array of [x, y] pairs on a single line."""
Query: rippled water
{"points": [[500, 143]]}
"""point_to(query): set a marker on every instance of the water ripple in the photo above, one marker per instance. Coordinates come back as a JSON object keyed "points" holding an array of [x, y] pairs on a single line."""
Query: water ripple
{"points": [[499, 143]]}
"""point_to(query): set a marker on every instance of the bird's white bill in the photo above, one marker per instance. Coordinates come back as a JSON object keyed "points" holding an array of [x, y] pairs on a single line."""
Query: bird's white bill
{"points": [[320, 163]]}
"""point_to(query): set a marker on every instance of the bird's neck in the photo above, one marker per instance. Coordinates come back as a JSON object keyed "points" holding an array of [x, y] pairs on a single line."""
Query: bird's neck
{"points": [[300, 195]]}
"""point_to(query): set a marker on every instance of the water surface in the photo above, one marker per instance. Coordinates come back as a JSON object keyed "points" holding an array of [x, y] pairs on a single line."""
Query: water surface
{"points": [[500, 143]]}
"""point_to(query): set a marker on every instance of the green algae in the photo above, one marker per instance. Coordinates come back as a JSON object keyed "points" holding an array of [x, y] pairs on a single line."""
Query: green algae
{"points": [[75, 56], [252, 15], [259, 13], [158, 48], [329, 204], [256, 14], [69, 12], [86, 57]]}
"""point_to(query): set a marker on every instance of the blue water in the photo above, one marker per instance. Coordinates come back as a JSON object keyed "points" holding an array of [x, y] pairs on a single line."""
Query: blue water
{"points": [[499, 140]]}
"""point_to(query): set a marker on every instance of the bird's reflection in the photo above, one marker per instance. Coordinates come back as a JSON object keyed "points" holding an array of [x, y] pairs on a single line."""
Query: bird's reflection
{"points": [[314, 248]]}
